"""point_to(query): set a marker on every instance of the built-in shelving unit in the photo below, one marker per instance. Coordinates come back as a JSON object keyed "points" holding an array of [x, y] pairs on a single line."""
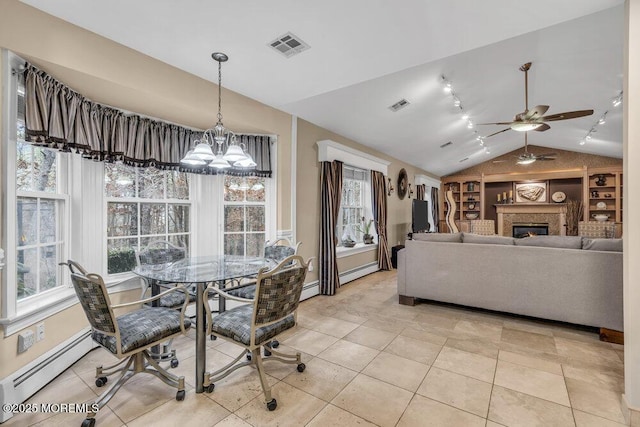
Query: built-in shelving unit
{"points": [[604, 194]]}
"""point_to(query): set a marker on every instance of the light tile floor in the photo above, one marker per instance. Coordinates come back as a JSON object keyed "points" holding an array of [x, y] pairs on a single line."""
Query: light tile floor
{"points": [[371, 361]]}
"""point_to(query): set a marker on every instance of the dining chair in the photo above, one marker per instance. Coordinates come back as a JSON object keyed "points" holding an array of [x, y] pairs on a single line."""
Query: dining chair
{"points": [[253, 326], [127, 336], [276, 251], [162, 253]]}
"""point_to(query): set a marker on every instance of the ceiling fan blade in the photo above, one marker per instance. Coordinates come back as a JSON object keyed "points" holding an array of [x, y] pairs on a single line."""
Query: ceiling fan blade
{"points": [[500, 131], [544, 158], [567, 115], [547, 155], [499, 161], [542, 127], [536, 112], [497, 123]]}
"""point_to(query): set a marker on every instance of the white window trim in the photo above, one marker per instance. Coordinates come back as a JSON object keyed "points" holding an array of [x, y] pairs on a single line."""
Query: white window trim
{"points": [[342, 252], [329, 151]]}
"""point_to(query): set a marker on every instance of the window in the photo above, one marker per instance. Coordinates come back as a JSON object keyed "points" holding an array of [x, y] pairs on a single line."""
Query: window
{"points": [[143, 204], [355, 203], [40, 201], [244, 215]]}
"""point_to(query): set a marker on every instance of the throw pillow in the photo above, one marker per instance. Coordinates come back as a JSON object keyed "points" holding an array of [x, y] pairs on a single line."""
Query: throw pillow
{"points": [[610, 245], [562, 242], [487, 240], [438, 237]]}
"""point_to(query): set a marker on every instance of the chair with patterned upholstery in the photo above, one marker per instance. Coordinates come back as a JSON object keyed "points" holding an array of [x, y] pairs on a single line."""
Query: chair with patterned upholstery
{"points": [[277, 251], [597, 229], [485, 227], [253, 326], [162, 254], [127, 336]]}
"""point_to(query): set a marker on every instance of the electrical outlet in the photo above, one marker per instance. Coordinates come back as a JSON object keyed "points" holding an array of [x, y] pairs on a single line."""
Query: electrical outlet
{"points": [[40, 332], [25, 340]]}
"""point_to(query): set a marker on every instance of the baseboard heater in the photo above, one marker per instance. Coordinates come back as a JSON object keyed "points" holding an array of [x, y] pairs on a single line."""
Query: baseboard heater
{"points": [[311, 289], [24, 383]]}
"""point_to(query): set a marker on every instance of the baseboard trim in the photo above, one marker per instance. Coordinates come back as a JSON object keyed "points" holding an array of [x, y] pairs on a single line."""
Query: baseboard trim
{"points": [[26, 381]]}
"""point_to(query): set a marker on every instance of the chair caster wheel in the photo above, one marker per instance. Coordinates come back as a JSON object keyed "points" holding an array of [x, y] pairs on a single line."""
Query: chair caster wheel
{"points": [[272, 405], [180, 395], [275, 344], [174, 363], [267, 353], [301, 367], [209, 388], [248, 356], [89, 422], [99, 383]]}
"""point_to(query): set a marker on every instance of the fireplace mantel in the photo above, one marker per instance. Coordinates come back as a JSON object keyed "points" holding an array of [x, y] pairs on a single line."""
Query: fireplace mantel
{"points": [[523, 212]]}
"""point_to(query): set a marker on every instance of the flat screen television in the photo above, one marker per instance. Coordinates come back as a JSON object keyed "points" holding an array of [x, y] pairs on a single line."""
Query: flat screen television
{"points": [[420, 216]]}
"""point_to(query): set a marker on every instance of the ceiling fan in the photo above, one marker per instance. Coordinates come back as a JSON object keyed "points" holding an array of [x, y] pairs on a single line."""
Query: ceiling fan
{"points": [[527, 158], [533, 119]]}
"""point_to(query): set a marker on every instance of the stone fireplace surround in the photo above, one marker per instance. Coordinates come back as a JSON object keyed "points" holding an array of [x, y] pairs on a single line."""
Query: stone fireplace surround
{"points": [[553, 214]]}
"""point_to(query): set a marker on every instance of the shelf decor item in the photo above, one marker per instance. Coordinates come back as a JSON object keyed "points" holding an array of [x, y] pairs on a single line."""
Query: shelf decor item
{"points": [[471, 215], [470, 186], [600, 217], [601, 205], [558, 197], [601, 181]]}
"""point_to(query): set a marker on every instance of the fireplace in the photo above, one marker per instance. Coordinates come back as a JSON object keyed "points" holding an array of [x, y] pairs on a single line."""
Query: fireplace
{"points": [[521, 230]]}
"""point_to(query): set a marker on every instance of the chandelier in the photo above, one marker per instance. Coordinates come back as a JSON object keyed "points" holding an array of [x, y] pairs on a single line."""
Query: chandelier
{"points": [[202, 154]]}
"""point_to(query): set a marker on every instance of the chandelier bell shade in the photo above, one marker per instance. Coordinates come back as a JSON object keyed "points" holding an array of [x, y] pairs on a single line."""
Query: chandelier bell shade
{"points": [[203, 153]]}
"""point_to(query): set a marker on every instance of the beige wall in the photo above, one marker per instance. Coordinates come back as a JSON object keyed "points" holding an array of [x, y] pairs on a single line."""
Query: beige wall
{"points": [[308, 195], [121, 77]]}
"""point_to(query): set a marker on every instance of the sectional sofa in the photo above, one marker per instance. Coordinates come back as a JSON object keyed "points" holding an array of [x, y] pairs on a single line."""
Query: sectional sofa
{"points": [[563, 278]]}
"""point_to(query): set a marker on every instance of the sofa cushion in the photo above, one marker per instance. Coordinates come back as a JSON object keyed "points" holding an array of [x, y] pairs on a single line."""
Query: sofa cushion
{"points": [[610, 245], [438, 237], [563, 242], [487, 240]]}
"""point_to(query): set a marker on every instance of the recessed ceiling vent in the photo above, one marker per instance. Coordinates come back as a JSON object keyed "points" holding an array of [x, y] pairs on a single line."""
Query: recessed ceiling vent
{"points": [[446, 144], [289, 44], [399, 105]]}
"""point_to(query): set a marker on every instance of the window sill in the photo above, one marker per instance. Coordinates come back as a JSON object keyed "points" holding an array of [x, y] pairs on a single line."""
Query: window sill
{"points": [[359, 248], [45, 307]]}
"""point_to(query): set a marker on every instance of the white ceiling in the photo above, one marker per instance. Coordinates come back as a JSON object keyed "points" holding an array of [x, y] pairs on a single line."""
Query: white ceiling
{"points": [[366, 55]]}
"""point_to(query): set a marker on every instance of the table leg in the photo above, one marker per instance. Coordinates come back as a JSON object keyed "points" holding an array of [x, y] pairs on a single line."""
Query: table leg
{"points": [[201, 354]]}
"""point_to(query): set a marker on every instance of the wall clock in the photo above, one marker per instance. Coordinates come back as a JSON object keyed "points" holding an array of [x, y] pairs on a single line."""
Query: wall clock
{"points": [[403, 183]]}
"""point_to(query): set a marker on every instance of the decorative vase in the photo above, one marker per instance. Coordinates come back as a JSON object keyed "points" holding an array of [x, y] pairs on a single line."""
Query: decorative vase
{"points": [[601, 181], [367, 239]]}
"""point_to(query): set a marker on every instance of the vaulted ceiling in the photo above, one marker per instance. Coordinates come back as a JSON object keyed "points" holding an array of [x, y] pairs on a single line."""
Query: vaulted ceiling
{"points": [[366, 55]]}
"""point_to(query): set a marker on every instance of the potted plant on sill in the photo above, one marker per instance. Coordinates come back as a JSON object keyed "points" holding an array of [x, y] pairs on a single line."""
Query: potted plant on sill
{"points": [[367, 238]]}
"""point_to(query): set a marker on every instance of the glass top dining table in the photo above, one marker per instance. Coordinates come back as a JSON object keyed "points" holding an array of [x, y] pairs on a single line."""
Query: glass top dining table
{"points": [[218, 269]]}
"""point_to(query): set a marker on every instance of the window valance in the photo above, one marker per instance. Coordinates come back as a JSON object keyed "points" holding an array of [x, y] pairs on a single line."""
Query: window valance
{"points": [[58, 117]]}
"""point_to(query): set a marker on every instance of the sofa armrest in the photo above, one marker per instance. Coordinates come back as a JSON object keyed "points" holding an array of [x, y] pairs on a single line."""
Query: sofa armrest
{"points": [[402, 272]]}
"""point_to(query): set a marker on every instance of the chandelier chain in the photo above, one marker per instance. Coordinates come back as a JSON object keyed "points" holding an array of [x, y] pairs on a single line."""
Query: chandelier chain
{"points": [[220, 92]]}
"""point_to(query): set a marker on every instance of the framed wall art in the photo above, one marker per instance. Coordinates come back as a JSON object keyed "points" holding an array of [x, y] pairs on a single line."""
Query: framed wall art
{"points": [[530, 192]]}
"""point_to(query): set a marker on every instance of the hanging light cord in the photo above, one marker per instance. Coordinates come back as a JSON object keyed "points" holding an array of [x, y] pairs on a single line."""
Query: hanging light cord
{"points": [[220, 92]]}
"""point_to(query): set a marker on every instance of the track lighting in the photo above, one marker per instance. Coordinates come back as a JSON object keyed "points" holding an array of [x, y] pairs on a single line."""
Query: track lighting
{"points": [[617, 100], [603, 119]]}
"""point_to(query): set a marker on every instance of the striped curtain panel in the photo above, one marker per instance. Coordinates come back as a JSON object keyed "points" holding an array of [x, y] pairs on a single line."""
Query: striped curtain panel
{"points": [[435, 210], [379, 198], [330, 195], [420, 191]]}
